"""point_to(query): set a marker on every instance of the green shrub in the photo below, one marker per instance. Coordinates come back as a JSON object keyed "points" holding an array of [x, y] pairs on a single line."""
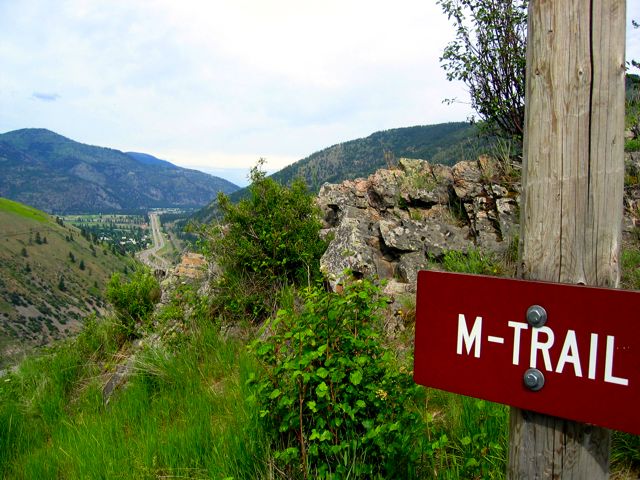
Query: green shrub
{"points": [[332, 395], [133, 301], [263, 243]]}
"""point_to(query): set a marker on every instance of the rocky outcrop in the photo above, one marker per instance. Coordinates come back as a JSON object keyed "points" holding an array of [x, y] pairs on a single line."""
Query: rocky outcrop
{"points": [[391, 224]]}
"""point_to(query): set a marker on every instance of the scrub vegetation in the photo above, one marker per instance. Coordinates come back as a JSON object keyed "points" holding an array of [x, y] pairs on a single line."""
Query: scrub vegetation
{"points": [[311, 388]]}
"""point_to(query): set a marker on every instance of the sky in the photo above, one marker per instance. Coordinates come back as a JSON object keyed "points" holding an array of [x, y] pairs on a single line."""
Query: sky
{"points": [[215, 85]]}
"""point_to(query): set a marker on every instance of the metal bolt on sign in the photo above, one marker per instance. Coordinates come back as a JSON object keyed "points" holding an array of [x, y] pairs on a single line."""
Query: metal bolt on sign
{"points": [[536, 316], [533, 379]]}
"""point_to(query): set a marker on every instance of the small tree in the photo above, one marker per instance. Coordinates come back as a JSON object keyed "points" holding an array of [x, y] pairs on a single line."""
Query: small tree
{"points": [[23, 252], [263, 243], [332, 396], [81, 265], [488, 55]]}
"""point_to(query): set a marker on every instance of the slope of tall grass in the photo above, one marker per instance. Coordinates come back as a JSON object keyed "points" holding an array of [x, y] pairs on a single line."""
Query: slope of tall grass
{"points": [[182, 414]]}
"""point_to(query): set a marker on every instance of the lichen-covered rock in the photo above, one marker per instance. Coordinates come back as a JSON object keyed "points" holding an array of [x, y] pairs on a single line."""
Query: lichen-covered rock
{"points": [[407, 236], [349, 249], [409, 265], [390, 223], [467, 182]]}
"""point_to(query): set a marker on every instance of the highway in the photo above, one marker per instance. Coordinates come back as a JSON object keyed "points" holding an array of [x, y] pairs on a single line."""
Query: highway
{"points": [[150, 256]]}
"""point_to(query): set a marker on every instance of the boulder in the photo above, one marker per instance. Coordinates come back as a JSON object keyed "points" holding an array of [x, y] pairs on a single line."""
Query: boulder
{"points": [[389, 224]]}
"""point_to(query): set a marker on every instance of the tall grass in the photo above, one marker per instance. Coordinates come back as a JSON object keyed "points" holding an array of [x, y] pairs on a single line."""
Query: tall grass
{"points": [[182, 414]]}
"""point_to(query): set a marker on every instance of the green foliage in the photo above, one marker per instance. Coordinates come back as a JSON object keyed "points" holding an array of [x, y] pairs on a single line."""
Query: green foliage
{"points": [[133, 301], [625, 450], [332, 394], [466, 438], [632, 145], [472, 261], [263, 243], [630, 268], [488, 55], [182, 415]]}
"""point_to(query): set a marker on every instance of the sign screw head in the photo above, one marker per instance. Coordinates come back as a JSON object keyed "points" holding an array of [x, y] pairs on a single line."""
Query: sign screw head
{"points": [[536, 316], [533, 379]]}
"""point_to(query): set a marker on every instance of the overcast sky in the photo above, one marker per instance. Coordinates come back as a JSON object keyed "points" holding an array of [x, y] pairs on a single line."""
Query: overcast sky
{"points": [[214, 85]]}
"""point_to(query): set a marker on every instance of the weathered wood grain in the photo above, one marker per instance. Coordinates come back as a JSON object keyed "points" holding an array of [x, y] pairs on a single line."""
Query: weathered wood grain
{"points": [[573, 176]]}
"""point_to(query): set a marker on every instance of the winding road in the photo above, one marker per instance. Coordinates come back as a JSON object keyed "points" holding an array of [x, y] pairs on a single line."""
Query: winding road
{"points": [[150, 256]]}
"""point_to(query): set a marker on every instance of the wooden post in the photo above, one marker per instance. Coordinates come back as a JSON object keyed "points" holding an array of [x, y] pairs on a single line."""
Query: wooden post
{"points": [[573, 176]]}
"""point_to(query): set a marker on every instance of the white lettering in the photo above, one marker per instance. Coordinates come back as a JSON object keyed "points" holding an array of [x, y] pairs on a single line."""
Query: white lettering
{"points": [[544, 347], [517, 328], [608, 364], [469, 339], [593, 356], [569, 354]]}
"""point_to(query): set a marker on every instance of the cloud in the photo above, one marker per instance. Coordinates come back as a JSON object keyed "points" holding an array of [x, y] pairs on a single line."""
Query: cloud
{"points": [[220, 83], [45, 97]]}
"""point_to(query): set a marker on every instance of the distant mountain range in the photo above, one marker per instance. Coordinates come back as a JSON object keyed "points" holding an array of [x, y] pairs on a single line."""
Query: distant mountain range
{"points": [[58, 175]]}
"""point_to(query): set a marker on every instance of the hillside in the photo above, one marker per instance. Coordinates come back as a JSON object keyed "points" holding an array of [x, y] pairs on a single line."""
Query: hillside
{"points": [[61, 176], [51, 277], [445, 143]]}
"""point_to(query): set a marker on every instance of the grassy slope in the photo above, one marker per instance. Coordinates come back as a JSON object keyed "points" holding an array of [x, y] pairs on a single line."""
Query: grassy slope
{"points": [[33, 309], [183, 414]]}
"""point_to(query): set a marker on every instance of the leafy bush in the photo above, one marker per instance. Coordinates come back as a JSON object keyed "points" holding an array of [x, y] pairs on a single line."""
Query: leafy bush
{"points": [[263, 243], [133, 301], [332, 394]]}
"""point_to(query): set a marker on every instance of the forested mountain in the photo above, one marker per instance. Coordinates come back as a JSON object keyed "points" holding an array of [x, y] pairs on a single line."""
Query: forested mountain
{"points": [[58, 175], [445, 143]]}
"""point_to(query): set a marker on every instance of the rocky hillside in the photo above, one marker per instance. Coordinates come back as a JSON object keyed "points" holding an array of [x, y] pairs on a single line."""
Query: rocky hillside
{"points": [[58, 175]]}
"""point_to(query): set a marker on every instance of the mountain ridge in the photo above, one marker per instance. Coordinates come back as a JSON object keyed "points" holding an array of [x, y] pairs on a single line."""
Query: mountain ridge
{"points": [[59, 175], [445, 143]]}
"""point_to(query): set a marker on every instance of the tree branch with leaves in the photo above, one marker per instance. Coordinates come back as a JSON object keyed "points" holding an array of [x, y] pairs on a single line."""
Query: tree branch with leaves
{"points": [[488, 55]]}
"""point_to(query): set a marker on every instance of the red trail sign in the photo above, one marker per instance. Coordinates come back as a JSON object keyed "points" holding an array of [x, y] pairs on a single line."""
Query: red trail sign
{"points": [[563, 350]]}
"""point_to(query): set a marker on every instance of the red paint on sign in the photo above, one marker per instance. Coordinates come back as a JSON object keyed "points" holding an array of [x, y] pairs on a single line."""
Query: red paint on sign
{"points": [[472, 338]]}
